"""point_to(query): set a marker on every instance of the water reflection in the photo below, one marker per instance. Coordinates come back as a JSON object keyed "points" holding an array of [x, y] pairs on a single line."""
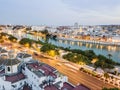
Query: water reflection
{"points": [[89, 45], [98, 49]]}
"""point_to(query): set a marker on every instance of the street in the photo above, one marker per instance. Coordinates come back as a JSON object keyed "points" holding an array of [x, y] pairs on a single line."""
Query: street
{"points": [[71, 70]]}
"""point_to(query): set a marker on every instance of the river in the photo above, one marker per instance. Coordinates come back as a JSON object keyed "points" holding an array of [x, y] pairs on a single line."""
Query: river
{"points": [[97, 48]]}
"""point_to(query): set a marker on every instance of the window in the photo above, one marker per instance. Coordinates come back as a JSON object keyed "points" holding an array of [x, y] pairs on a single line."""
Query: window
{"points": [[21, 83], [8, 68], [14, 86]]}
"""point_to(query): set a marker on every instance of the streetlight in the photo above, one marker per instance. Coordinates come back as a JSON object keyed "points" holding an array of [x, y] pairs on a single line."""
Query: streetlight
{"points": [[116, 71]]}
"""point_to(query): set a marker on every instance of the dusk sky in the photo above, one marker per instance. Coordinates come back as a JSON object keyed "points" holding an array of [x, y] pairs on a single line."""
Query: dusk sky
{"points": [[59, 12]]}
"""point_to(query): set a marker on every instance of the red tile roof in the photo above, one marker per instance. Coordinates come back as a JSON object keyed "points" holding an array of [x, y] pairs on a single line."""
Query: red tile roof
{"points": [[67, 86], [81, 87], [51, 87], [2, 72], [15, 78], [26, 87], [48, 70]]}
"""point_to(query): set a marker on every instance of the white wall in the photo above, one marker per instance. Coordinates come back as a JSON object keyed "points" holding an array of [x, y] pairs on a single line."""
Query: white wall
{"points": [[61, 78], [25, 59], [18, 84], [13, 69], [33, 80], [7, 85]]}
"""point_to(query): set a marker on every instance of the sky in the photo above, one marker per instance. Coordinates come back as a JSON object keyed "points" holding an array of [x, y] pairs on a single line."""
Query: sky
{"points": [[60, 12]]}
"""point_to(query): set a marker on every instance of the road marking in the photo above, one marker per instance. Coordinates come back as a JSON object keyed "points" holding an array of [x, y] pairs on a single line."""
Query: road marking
{"points": [[59, 64], [73, 70], [69, 65]]}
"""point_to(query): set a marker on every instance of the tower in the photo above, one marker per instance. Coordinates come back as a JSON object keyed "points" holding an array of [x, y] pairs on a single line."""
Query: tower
{"points": [[12, 64]]}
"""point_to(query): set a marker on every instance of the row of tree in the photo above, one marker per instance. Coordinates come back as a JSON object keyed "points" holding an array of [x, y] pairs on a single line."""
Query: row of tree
{"points": [[90, 58], [4, 36], [110, 89], [77, 58], [75, 55]]}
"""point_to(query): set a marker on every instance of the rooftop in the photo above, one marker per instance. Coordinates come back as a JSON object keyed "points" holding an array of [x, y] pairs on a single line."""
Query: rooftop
{"points": [[12, 61], [50, 87], [67, 86], [2, 50], [15, 78], [2, 61], [2, 72], [23, 55], [42, 69], [26, 87], [81, 87]]}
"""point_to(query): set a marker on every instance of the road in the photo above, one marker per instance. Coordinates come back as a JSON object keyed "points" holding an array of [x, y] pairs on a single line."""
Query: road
{"points": [[75, 76]]}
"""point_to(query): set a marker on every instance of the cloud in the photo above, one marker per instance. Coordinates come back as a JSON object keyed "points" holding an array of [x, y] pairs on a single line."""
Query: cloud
{"points": [[96, 11], [60, 12]]}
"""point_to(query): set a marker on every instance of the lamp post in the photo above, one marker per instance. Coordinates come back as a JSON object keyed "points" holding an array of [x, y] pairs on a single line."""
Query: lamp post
{"points": [[116, 71]]}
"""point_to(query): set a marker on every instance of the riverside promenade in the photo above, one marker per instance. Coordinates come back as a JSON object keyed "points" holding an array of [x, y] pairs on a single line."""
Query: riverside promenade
{"points": [[91, 41]]}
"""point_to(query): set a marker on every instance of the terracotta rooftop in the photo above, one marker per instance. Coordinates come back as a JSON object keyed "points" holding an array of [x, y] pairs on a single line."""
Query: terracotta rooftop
{"points": [[15, 78], [50, 87], [2, 72], [81, 87], [47, 70], [67, 86], [26, 87]]}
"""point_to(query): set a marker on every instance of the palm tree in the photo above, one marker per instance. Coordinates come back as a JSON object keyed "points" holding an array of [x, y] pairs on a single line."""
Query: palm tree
{"points": [[109, 56]]}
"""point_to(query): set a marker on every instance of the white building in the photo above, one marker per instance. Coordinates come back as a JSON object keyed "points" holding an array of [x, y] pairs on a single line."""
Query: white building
{"points": [[116, 39], [10, 77], [23, 57], [38, 28], [3, 52], [31, 75]]}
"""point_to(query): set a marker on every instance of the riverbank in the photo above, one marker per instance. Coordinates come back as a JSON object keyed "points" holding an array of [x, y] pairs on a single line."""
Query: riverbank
{"points": [[83, 45], [90, 41]]}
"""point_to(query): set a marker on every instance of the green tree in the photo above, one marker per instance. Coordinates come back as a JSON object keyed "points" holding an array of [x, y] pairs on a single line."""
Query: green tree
{"points": [[44, 32], [106, 75], [110, 88], [109, 56], [12, 38], [25, 41], [47, 47]]}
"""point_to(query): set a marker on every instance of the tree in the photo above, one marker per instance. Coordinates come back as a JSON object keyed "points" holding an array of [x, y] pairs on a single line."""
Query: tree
{"points": [[77, 58], [44, 32], [109, 56], [26, 41], [52, 53], [47, 47], [106, 75], [110, 88], [50, 49], [94, 60], [12, 38]]}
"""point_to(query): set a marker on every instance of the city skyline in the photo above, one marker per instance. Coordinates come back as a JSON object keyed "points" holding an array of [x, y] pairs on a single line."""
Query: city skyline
{"points": [[60, 12]]}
